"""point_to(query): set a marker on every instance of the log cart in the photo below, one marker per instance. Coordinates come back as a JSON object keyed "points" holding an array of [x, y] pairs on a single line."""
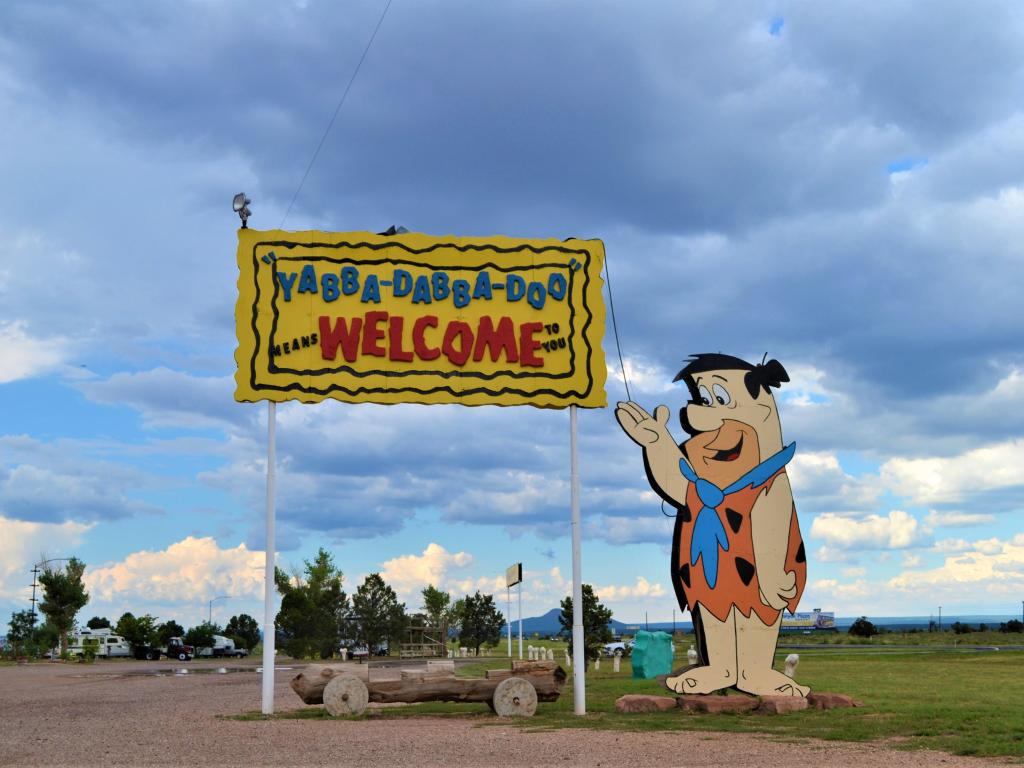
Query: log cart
{"points": [[508, 692]]}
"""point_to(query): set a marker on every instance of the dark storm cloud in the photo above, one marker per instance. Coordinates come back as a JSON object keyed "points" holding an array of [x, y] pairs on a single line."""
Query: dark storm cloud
{"points": [[663, 117], [737, 169]]}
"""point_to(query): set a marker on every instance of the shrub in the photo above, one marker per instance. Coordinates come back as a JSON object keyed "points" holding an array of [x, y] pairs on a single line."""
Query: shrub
{"points": [[863, 628]]}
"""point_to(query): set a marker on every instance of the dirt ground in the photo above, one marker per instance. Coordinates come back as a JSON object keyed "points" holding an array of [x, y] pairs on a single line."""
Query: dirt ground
{"points": [[125, 714]]}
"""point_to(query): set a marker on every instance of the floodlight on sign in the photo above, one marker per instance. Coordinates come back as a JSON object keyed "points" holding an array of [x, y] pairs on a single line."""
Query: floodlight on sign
{"points": [[240, 205]]}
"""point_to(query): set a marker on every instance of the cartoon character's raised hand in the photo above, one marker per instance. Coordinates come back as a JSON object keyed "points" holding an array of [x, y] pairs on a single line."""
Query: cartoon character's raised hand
{"points": [[642, 428], [777, 589]]}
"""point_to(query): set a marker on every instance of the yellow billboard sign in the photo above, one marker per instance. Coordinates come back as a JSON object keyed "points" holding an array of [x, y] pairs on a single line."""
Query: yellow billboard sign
{"points": [[412, 318]]}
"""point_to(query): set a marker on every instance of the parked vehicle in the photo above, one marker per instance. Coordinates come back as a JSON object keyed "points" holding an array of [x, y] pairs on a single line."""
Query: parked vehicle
{"points": [[616, 649], [175, 649], [360, 652], [222, 646], [100, 642]]}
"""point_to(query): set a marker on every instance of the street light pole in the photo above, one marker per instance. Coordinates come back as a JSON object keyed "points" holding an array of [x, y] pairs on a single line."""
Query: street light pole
{"points": [[209, 615]]}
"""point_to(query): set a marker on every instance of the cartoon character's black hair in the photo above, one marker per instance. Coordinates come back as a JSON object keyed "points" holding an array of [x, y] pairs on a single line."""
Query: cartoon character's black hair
{"points": [[760, 376]]}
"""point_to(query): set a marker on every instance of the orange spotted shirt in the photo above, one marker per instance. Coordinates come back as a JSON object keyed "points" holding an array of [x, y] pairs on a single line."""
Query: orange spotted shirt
{"points": [[737, 569]]}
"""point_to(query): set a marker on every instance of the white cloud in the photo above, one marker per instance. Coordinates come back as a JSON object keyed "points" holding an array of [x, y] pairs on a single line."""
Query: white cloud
{"points": [[644, 376], [806, 387], [985, 576], [655, 528], [992, 568], [821, 485], [641, 588], [936, 519], [26, 356], [897, 530], [57, 482], [23, 543], [167, 398], [949, 480], [910, 560], [854, 572], [409, 574], [186, 574]]}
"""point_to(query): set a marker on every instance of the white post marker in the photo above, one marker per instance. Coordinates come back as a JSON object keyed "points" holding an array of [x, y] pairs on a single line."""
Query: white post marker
{"points": [[268, 587], [520, 620], [508, 618], [579, 666]]}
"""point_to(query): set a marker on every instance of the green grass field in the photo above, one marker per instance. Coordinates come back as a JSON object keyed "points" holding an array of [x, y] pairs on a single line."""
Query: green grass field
{"points": [[966, 703]]}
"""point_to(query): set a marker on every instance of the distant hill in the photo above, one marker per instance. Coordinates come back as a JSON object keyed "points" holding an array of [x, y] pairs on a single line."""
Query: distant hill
{"points": [[547, 624]]}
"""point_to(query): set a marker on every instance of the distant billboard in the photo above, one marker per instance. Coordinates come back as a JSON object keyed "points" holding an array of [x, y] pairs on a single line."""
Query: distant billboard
{"points": [[816, 619], [513, 574]]}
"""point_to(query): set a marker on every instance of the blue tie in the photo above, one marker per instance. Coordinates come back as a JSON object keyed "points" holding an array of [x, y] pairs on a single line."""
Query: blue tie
{"points": [[708, 531]]}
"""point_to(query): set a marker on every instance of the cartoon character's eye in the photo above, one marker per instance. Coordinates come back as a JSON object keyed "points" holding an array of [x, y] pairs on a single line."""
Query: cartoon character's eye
{"points": [[721, 395], [705, 396]]}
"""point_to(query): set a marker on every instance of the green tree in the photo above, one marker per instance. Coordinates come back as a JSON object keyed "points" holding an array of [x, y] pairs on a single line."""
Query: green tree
{"points": [[137, 631], [595, 623], [378, 615], [21, 631], [46, 637], [201, 635], [167, 630], [98, 622], [863, 628], [480, 621], [244, 630], [440, 610], [313, 609], [63, 597]]}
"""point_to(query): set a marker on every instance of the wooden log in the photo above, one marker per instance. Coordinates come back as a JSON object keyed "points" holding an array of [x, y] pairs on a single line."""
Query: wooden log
{"points": [[547, 678], [310, 682]]}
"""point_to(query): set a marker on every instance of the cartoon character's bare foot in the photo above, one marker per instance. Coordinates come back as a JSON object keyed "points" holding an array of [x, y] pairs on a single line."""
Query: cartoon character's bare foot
{"points": [[770, 682], [701, 680]]}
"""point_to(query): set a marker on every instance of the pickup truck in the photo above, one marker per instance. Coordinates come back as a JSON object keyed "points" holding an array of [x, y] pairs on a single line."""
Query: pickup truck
{"points": [[223, 646]]}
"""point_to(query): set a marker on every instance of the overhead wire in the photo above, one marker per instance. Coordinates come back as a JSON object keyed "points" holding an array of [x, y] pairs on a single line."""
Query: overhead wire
{"points": [[337, 109], [615, 325]]}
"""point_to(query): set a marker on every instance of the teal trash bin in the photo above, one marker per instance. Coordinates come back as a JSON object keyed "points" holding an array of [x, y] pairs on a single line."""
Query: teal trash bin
{"points": [[652, 655]]}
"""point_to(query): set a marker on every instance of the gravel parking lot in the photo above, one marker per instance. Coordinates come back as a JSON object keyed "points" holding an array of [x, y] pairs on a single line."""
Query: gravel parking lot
{"points": [[144, 714]]}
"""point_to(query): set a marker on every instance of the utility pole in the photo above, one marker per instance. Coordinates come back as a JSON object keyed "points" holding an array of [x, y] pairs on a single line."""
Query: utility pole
{"points": [[35, 583], [36, 570]]}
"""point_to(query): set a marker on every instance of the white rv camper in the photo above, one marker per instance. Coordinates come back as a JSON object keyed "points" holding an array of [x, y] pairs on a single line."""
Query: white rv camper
{"points": [[102, 642]]}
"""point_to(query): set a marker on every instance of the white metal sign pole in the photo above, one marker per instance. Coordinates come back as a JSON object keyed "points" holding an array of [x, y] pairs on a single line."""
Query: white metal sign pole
{"points": [[508, 618], [268, 587], [520, 620], [579, 659]]}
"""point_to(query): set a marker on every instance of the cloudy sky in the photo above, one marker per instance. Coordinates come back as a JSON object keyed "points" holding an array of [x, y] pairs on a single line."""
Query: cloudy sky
{"points": [[839, 185]]}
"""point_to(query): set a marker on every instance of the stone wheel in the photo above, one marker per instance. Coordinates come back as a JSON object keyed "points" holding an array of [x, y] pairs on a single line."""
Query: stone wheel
{"points": [[515, 697], [345, 695]]}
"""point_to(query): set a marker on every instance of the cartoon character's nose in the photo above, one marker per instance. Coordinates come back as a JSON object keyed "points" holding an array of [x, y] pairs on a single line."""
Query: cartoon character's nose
{"points": [[703, 418]]}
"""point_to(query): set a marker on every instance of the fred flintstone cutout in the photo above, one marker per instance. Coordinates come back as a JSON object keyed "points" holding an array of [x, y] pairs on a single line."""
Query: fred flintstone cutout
{"points": [[737, 557]]}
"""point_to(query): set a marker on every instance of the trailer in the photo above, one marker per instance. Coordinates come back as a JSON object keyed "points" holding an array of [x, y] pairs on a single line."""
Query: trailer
{"points": [[102, 643]]}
